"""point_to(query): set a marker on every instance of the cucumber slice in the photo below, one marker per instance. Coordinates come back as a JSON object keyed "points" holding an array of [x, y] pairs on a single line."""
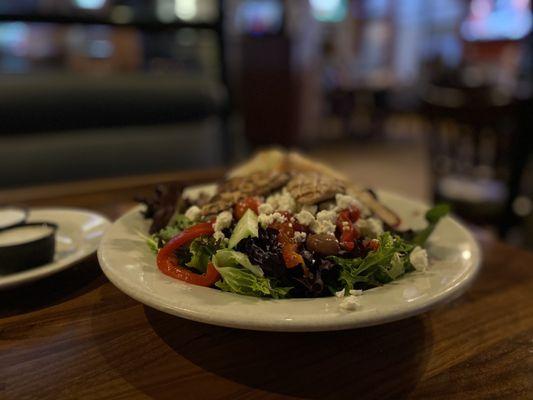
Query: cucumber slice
{"points": [[246, 227]]}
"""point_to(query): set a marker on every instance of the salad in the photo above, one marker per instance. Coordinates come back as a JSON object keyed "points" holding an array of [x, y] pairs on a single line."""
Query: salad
{"points": [[284, 232]]}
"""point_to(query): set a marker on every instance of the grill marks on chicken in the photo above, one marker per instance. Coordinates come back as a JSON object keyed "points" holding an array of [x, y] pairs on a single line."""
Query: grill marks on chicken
{"points": [[221, 202], [235, 189], [257, 183], [304, 187], [313, 187]]}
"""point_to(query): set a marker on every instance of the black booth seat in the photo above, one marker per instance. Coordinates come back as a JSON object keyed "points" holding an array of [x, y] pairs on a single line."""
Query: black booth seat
{"points": [[57, 128], [43, 103]]}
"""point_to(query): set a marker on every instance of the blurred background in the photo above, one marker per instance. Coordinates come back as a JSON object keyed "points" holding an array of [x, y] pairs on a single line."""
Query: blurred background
{"points": [[430, 98]]}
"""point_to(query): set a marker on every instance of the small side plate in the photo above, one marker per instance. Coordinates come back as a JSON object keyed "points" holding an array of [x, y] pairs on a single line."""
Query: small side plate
{"points": [[78, 235]]}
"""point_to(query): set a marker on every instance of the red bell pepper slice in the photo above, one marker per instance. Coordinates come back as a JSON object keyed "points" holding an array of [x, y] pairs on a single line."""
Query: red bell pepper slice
{"points": [[167, 261]]}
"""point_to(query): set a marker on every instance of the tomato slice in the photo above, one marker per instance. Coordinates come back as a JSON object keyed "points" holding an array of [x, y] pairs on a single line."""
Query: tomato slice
{"points": [[347, 232], [242, 206], [167, 261], [289, 247], [355, 214]]}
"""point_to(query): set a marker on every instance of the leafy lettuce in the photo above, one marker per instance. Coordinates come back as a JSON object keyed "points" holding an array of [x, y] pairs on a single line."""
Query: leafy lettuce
{"points": [[240, 276], [231, 258], [177, 225], [383, 265], [201, 250], [433, 217]]}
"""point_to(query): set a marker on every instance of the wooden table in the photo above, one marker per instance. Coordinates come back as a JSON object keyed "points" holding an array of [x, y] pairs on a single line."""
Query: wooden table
{"points": [[75, 336]]}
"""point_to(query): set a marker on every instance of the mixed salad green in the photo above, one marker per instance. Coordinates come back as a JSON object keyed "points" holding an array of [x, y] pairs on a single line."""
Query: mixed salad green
{"points": [[258, 249]]}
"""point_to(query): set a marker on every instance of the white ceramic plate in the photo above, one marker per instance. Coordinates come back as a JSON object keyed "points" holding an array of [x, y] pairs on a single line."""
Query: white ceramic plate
{"points": [[129, 264], [78, 235]]}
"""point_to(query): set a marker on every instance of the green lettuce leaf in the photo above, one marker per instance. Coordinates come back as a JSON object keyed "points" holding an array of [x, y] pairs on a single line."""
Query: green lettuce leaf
{"points": [[180, 221], [152, 243], [232, 258], [433, 217], [177, 225], [201, 249], [243, 281], [384, 265], [240, 276], [398, 263]]}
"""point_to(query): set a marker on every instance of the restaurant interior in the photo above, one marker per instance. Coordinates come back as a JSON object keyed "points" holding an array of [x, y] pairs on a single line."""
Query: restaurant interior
{"points": [[431, 99], [401, 114]]}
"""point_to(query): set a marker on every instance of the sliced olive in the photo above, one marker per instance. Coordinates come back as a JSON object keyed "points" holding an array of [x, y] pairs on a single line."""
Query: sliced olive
{"points": [[323, 243]]}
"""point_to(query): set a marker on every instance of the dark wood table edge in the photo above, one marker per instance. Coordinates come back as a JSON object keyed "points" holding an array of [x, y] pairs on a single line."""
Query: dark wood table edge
{"points": [[91, 186]]}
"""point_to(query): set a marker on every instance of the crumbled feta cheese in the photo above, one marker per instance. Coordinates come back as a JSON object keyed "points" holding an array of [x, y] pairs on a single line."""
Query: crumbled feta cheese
{"points": [[300, 236], [375, 225], [356, 292], [223, 221], [268, 219], [325, 222], [193, 213], [345, 201], [265, 220], [349, 303], [279, 217], [353, 199], [323, 227], [282, 202], [340, 294], [326, 215], [311, 208], [419, 258], [369, 227], [265, 208], [305, 217]]}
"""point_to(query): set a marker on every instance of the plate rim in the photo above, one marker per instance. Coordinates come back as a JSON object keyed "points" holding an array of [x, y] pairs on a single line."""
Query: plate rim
{"points": [[27, 276], [281, 325]]}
